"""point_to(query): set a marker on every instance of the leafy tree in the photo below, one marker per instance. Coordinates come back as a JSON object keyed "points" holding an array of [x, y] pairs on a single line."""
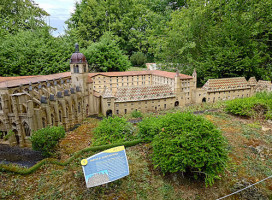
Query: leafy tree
{"points": [[20, 15], [130, 20], [46, 139], [34, 52], [105, 55], [138, 59], [219, 38]]}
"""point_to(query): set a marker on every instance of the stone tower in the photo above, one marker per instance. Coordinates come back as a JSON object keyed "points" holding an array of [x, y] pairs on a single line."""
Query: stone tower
{"points": [[194, 75], [79, 70]]}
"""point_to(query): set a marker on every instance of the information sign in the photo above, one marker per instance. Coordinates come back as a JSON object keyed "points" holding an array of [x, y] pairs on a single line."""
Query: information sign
{"points": [[105, 167]]}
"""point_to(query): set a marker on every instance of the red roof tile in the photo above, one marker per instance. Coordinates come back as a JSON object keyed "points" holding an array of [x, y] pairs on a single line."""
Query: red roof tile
{"points": [[144, 93], [16, 81], [226, 84], [146, 72]]}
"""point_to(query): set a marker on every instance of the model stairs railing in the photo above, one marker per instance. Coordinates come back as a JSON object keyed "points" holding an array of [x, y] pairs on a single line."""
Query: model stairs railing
{"points": [[24, 171]]}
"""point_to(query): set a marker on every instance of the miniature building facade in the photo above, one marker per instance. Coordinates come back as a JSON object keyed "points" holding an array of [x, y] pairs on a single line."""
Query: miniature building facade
{"points": [[29, 103]]}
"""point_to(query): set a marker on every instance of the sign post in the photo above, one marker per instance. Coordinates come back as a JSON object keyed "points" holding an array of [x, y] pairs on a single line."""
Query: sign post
{"points": [[105, 167]]}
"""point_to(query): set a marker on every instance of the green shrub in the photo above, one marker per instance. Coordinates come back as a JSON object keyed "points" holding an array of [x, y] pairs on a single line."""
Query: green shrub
{"points": [[189, 143], [10, 133], [149, 127], [113, 130], [259, 105], [46, 139], [138, 59], [136, 114]]}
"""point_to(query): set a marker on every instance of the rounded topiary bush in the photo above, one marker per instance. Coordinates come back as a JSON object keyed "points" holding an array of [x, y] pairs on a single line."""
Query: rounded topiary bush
{"points": [[46, 139], [113, 130], [189, 143]]}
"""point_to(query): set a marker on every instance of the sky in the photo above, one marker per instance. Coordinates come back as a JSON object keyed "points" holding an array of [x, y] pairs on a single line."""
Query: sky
{"points": [[59, 10]]}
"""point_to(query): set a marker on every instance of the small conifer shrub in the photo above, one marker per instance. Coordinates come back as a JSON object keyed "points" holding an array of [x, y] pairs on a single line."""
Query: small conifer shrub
{"points": [[184, 142], [46, 139], [113, 130]]}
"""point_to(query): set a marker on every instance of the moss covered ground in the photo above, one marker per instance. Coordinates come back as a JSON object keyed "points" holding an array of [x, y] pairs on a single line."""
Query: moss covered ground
{"points": [[250, 145]]}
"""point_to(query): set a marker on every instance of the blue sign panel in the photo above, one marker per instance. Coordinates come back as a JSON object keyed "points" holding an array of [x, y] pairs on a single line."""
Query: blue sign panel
{"points": [[105, 167]]}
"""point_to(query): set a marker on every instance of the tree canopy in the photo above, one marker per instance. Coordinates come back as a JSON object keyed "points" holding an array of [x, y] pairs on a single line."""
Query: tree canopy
{"points": [[27, 47], [220, 38], [105, 55]]}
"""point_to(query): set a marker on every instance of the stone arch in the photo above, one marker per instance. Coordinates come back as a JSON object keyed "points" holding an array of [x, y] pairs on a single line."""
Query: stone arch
{"points": [[109, 113], [52, 119], [79, 107], [204, 100], [1, 106], [44, 122], [87, 109], [26, 90], [44, 118], [3, 130], [26, 129], [16, 136], [176, 103], [74, 109], [24, 109]]}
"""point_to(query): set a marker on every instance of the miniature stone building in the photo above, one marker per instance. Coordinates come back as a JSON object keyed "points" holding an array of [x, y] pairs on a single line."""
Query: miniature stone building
{"points": [[29, 103]]}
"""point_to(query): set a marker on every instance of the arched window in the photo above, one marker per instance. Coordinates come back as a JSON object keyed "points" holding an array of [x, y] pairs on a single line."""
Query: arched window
{"points": [[79, 107], [60, 116], [1, 108], [43, 122], [27, 129], [52, 119]]}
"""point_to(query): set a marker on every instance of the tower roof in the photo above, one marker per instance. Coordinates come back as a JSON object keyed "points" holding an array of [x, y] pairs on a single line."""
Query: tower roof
{"points": [[77, 58]]}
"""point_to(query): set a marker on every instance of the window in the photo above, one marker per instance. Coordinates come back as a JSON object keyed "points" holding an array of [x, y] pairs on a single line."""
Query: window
{"points": [[60, 117], [117, 112], [78, 108], [109, 104], [117, 105], [164, 105], [125, 111], [26, 129], [1, 108]]}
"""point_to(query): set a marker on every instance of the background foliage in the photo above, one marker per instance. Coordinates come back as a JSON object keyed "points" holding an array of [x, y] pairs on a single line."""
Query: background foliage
{"points": [[106, 56], [218, 38]]}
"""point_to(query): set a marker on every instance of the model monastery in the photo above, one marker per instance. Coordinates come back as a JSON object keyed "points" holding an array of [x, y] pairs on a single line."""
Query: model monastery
{"points": [[29, 103]]}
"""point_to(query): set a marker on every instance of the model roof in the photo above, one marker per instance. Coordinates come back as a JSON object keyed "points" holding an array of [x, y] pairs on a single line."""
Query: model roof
{"points": [[139, 93], [226, 84], [7, 82], [145, 72]]}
